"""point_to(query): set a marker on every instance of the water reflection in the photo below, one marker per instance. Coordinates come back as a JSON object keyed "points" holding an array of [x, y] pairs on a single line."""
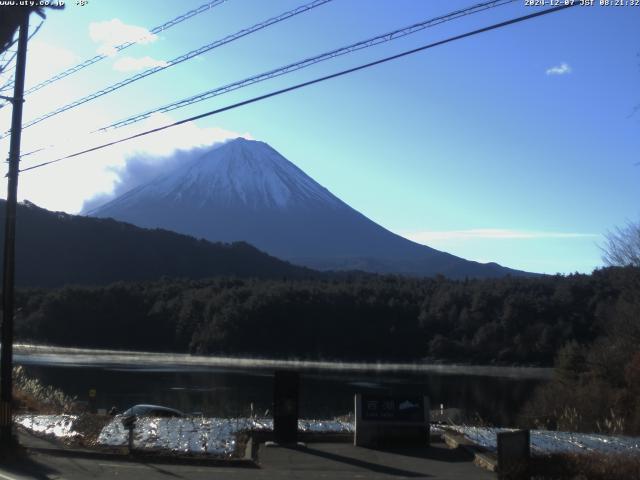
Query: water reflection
{"points": [[225, 392]]}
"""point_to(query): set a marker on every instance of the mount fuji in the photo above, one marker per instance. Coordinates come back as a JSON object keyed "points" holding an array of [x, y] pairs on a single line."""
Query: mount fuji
{"points": [[245, 190]]}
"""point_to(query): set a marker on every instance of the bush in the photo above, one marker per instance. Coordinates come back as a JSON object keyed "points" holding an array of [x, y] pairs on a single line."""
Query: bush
{"points": [[29, 394]]}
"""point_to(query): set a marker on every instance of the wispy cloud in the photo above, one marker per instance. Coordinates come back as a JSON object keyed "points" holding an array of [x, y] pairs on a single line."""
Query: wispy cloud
{"points": [[131, 165], [111, 33], [561, 69], [490, 233], [131, 64]]}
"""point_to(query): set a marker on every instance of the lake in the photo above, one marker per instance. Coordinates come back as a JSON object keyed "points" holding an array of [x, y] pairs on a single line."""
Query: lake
{"points": [[218, 386]]}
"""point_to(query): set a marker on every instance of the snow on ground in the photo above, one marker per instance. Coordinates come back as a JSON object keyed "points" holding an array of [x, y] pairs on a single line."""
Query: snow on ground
{"points": [[546, 441], [178, 435], [213, 436], [60, 426], [217, 436]]}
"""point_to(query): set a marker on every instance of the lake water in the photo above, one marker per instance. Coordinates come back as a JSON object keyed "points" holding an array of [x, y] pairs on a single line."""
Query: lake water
{"points": [[228, 387]]}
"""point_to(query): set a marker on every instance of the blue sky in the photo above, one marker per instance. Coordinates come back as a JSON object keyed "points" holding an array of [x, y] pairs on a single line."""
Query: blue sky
{"points": [[516, 146]]}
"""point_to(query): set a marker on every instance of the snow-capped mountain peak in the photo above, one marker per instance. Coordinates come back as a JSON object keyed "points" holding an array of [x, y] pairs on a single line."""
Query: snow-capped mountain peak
{"points": [[242, 171], [245, 190]]}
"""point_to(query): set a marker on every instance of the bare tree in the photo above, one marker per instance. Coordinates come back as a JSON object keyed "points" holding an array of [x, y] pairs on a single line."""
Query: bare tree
{"points": [[622, 246]]}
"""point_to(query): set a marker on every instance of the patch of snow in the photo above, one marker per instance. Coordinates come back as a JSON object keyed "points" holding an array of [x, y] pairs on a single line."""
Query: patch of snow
{"points": [[60, 426], [547, 441], [199, 435], [325, 426]]}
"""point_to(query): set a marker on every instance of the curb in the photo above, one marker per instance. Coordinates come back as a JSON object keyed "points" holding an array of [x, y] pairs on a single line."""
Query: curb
{"points": [[145, 457], [481, 456]]}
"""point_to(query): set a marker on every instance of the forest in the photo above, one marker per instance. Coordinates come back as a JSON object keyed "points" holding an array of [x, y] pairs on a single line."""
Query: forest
{"points": [[586, 326], [99, 251], [524, 321]]}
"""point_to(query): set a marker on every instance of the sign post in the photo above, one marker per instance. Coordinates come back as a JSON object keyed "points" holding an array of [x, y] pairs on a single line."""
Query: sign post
{"points": [[285, 406], [514, 451], [129, 423], [92, 400]]}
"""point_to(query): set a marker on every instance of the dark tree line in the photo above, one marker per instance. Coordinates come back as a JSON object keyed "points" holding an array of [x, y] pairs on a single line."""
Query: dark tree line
{"points": [[596, 385], [507, 321]]}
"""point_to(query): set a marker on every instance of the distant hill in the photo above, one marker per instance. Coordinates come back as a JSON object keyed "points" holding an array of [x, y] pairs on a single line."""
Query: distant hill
{"points": [[54, 249], [245, 190]]}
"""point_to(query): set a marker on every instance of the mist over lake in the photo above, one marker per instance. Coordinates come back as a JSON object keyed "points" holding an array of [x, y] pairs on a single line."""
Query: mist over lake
{"points": [[222, 386]]}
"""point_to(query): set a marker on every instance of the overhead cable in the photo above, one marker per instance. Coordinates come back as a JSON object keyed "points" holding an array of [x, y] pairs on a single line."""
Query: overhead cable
{"points": [[307, 62], [176, 61], [304, 84]]}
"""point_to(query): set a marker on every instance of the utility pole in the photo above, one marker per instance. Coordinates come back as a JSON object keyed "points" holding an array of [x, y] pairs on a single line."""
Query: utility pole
{"points": [[8, 276]]}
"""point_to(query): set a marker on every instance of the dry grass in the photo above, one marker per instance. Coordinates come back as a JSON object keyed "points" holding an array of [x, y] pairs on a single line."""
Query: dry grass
{"points": [[90, 426], [31, 396]]}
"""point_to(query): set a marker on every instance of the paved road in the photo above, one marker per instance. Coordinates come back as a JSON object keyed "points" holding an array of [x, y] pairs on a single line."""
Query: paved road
{"points": [[316, 461], [54, 467], [342, 461]]}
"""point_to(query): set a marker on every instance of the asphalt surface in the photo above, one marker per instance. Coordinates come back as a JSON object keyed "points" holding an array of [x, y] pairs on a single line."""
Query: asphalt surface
{"points": [[343, 460], [315, 461]]}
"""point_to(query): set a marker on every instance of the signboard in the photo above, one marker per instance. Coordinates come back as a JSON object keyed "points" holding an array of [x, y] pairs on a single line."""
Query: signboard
{"points": [[513, 454], [392, 409], [391, 420]]}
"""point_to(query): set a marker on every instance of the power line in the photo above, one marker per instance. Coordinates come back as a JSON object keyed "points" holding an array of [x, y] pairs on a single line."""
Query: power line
{"points": [[307, 62], [306, 84], [160, 28], [7, 62], [36, 30], [385, 37], [9, 83], [7, 86], [11, 43], [5, 54], [177, 60], [4, 69]]}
